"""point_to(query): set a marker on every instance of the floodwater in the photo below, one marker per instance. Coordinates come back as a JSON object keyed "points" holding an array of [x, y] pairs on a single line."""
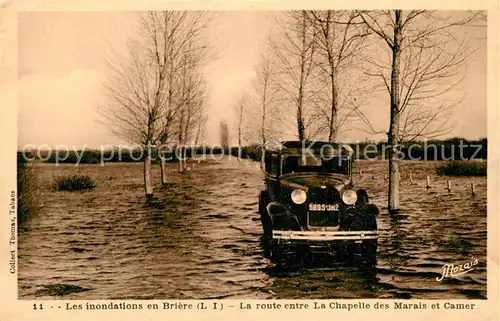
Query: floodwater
{"points": [[200, 238]]}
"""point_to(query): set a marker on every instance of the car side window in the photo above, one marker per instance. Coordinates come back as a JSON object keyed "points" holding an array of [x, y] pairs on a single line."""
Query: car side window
{"points": [[291, 164], [274, 165], [267, 162], [337, 165]]}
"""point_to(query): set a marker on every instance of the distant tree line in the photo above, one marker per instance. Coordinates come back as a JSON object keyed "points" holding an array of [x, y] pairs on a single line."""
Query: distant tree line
{"points": [[449, 149]]}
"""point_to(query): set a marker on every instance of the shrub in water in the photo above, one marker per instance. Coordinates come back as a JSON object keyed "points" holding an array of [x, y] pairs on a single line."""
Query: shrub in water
{"points": [[463, 168], [28, 196], [74, 183]]}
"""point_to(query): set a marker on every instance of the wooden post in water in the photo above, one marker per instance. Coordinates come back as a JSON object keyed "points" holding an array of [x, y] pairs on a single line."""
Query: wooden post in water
{"points": [[428, 182], [360, 172], [473, 188], [411, 179], [448, 186], [385, 177]]}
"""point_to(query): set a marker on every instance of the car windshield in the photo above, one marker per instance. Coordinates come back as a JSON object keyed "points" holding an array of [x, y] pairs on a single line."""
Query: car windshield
{"points": [[299, 164]]}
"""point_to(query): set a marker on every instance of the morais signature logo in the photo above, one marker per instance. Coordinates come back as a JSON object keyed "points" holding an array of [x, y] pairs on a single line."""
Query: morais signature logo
{"points": [[450, 270]]}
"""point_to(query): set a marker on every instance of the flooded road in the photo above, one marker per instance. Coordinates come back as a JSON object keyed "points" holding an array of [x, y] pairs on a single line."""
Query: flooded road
{"points": [[200, 238]]}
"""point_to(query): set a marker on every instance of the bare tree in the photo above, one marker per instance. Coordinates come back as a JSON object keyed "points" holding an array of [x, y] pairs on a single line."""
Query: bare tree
{"points": [[266, 92], [146, 99], [195, 112], [136, 88], [224, 134], [177, 45], [295, 48], [240, 111], [426, 55], [192, 95], [338, 46], [201, 123]]}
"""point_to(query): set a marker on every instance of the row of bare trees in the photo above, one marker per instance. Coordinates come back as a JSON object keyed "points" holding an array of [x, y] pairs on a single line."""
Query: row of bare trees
{"points": [[156, 90], [323, 68], [320, 71]]}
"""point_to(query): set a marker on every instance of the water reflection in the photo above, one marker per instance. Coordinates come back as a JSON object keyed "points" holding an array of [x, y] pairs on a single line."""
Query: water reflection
{"points": [[394, 252], [334, 281], [200, 237]]}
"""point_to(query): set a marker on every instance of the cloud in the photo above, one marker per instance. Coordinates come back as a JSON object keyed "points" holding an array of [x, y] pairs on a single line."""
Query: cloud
{"points": [[61, 110]]}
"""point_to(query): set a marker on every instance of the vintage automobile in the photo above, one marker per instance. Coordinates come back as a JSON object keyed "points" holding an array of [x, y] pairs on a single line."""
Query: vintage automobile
{"points": [[309, 205]]}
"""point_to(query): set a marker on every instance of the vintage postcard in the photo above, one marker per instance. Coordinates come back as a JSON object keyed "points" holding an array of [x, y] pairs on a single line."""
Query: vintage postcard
{"points": [[240, 159]]}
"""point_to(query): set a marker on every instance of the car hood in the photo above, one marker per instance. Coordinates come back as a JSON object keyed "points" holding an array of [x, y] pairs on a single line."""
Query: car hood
{"points": [[307, 180]]}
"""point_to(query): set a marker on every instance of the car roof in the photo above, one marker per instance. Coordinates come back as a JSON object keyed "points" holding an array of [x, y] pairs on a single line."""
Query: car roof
{"points": [[294, 147]]}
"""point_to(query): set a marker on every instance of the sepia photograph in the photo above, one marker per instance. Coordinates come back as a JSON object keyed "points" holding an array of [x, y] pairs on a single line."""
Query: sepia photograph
{"points": [[285, 154]]}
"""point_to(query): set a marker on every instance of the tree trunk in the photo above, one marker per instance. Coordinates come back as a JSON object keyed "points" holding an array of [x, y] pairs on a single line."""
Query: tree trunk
{"points": [[184, 157], [163, 171], [300, 120], [148, 182], [263, 134], [239, 133], [332, 135], [393, 135], [198, 131], [180, 161], [263, 158]]}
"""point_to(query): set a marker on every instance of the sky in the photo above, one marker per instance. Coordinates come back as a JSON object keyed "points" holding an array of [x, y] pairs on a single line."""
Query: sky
{"points": [[60, 74]]}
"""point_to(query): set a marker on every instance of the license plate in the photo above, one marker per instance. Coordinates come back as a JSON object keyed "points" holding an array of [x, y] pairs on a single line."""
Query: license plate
{"points": [[323, 207]]}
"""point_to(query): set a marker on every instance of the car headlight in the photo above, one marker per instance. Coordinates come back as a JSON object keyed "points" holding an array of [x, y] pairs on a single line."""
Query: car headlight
{"points": [[349, 197], [299, 196]]}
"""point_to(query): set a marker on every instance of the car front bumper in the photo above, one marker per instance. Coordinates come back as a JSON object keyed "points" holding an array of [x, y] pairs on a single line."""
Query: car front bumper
{"points": [[341, 245], [322, 236]]}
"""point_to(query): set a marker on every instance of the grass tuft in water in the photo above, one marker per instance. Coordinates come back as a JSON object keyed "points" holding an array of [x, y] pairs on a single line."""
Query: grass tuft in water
{"points": [[74, 183], [60, 289], [28, 191]]}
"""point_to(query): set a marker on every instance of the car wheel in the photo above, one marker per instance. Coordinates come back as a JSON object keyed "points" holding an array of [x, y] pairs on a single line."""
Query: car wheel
{"points": [[369, 255], [287, 259], [370, 216], [266, 246], [363, 255], [276, 253]]}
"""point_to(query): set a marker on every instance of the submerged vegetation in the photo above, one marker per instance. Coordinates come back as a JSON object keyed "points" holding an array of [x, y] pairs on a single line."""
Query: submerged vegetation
{"points": [[59, 289], [27, 189], [74, 183], [463, 168]]}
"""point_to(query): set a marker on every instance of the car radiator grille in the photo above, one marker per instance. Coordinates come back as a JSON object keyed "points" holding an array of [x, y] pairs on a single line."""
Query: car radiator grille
{"points": [[325, 196]]}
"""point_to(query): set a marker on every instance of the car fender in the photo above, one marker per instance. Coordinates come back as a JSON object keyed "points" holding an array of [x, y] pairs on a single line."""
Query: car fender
{"points": [[281, 217], [363, 204], [372, 209]]}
